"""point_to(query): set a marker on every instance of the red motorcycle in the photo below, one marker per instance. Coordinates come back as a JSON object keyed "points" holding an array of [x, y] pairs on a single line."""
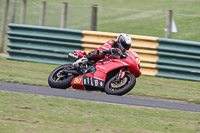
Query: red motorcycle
{"points": [[115, 74]]}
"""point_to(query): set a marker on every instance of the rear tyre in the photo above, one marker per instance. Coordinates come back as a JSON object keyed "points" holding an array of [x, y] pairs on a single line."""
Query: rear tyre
{"points": [[120, 88], [60, 80]]}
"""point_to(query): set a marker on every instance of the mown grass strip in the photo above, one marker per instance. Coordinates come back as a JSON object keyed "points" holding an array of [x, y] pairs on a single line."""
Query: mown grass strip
{"points": [[119, 16], [32, 113]]}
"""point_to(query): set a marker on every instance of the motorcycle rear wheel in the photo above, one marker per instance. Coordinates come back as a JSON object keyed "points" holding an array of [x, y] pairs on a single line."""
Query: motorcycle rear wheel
{"points": [[124, 86], [60, 81]]}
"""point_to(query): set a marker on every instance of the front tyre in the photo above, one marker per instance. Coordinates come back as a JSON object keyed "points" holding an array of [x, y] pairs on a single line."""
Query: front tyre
{"points": [[121, 87], [59, 79]]}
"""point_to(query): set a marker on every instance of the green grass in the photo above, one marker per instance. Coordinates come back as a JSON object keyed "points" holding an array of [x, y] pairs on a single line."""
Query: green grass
{"points": [[167, 88], [23, 113], [113, 20], [24, 72], [157, 87]]}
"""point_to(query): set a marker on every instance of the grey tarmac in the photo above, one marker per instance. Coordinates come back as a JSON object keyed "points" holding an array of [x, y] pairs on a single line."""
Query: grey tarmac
{"points": [[84, 95]]}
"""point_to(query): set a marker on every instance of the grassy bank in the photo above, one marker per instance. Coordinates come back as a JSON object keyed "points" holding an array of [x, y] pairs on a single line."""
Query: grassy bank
{"points": [[37, 74], [22, 113], [141, 17]]}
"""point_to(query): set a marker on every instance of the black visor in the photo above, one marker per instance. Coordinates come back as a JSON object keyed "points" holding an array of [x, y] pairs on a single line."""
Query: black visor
{"points": [[125, 45]]}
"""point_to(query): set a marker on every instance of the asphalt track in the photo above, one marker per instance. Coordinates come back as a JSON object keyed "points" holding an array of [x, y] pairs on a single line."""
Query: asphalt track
{"points": [[83, 95]]}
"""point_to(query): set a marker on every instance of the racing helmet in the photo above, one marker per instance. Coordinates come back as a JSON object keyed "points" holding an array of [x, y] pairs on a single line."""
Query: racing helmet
{"points": [[124, 40]]}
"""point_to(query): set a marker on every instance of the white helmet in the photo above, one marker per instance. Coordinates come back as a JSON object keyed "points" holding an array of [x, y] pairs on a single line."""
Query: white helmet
{"points": [[124, 40]]}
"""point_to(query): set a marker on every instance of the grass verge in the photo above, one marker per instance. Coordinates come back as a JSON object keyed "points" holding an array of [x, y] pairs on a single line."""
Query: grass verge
{"points": [[31, 113], [157, 87], [142, 17]]}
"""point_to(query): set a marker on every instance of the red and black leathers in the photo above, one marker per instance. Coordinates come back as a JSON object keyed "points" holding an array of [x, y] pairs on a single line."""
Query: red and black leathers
{"points": [[101, 51]]}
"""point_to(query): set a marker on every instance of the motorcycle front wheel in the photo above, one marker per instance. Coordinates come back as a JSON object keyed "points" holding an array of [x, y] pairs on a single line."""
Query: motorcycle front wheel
{"points": [[121, 87], [59, 79]]}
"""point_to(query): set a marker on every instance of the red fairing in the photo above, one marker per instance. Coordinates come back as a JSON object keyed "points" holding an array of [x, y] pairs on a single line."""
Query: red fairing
{"points": [[134, 63], [77, 83], [97, 79], [80, 53]]}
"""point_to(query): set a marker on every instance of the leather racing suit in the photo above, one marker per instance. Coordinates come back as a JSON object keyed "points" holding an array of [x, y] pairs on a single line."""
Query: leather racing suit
{"points": [[100, 52]]}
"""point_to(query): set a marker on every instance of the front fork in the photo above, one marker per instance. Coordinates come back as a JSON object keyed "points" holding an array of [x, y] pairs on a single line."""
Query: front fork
{"points": [[120, 75]]}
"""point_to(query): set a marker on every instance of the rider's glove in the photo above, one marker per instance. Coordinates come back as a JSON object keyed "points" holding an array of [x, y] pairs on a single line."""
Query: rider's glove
{"points": [[116, 51]]}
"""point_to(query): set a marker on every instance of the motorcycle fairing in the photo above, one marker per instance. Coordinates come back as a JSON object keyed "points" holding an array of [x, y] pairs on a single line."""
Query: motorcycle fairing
{"points": [[96, 79], [102, 69], [87, 83], [77, 83], [91, 83], [134, 68]]}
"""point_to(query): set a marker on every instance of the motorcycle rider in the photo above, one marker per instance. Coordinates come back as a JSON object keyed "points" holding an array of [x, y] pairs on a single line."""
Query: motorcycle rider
{"points": [[119, 46]]}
